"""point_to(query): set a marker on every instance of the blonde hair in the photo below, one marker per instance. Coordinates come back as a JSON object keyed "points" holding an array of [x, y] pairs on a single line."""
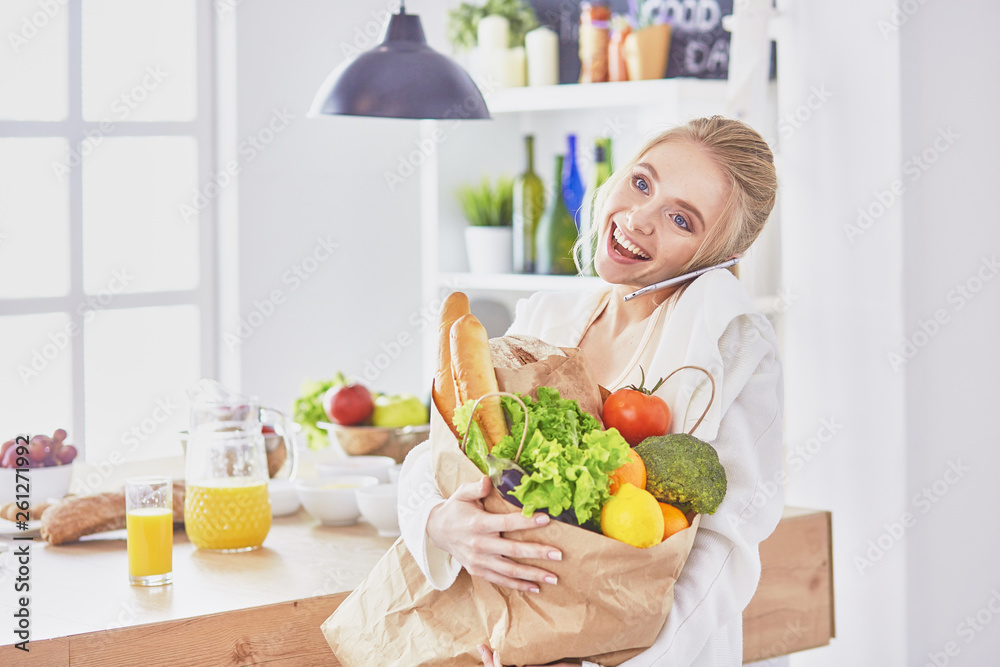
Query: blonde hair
{"points": [[748, 165]]}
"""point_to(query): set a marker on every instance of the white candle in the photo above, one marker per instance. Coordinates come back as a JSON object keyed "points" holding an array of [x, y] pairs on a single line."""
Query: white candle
{"points": [[542, 46], [493, 33], [513, 71]]}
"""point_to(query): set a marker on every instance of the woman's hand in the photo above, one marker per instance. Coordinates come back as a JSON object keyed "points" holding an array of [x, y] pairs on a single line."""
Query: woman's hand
{"points": [[492, 659], [468, 532]]}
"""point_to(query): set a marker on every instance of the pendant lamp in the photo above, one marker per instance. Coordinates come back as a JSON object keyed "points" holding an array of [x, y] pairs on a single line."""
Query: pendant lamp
{"points": [[402, 77]]}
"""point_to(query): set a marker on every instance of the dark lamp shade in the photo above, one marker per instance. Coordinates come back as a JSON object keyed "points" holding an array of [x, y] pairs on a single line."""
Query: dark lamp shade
{"points": [[402, 77]]}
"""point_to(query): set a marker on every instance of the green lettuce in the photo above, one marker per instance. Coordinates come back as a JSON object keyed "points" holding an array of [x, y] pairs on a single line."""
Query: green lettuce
{"points": [[567, 456], [475, 446]]}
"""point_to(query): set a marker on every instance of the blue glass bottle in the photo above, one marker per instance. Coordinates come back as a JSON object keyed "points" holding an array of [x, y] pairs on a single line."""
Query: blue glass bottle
{"points": [[572, 183]]}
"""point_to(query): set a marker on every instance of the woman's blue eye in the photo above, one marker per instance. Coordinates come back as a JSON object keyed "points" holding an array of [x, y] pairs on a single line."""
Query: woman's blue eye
{"points": [[681, 222], [640, 183]]}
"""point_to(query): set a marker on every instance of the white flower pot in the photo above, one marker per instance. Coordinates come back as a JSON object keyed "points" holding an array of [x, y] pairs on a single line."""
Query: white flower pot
{"points": [[490, 249]]}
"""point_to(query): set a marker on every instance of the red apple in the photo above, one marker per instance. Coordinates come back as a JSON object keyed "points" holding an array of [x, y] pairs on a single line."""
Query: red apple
{"points": [[348, 405]]}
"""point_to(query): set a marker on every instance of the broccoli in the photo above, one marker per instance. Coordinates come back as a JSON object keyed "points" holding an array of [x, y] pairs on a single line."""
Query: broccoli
{"points": [[683, 471]]}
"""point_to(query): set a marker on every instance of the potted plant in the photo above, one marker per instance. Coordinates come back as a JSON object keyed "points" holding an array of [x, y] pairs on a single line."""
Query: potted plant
{"points": [[489, 39], [647, 45], [463, 21], [489, 211]]}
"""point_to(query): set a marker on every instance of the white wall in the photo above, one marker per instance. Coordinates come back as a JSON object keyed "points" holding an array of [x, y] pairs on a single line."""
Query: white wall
{"points": [[902, 587], [320, 178], [845, 310], [951, 62]]}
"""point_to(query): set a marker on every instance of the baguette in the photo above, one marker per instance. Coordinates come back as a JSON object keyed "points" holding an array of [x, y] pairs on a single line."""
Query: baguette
{"points": [[10, 512], [76, 516], [472, 367], [444, 393]]}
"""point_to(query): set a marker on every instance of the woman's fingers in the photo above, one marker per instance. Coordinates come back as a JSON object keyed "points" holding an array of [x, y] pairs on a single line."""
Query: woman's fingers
{"points": [[502, 523], [494, 577], [508, 571], [473, 491], [490, 658]]}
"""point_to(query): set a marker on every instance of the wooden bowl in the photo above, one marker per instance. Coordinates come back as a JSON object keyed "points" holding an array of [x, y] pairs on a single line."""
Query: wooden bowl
{"points": [[377, 441]]}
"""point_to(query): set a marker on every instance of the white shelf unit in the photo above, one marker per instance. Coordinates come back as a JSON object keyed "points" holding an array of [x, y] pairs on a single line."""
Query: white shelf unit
{"points": [[464, 152]]}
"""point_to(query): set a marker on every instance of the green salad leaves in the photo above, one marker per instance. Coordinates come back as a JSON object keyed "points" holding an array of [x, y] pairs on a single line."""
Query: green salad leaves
{"points": [[567, 456], [308, 409]]}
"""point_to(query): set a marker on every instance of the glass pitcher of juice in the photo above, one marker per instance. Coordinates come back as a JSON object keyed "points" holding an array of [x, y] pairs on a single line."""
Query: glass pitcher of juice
{"points": [[226, 504]]}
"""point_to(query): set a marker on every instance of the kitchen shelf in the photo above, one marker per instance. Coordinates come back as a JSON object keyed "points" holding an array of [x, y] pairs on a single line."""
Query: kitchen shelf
{"points": [[517, 282], [576, 96], [768, 306]]}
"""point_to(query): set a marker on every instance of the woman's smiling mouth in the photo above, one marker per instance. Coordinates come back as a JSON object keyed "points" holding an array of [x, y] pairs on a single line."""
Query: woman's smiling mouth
{"points": [[623, 247]]}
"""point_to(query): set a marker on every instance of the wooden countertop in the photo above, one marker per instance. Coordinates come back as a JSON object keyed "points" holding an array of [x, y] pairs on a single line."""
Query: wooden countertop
{"points": [[266, 606]]}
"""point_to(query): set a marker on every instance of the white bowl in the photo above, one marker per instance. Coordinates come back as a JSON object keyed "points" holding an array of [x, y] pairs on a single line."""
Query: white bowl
{"points": [[50, 482], [332, 499], [394, 473], [284, 497], [378, 507], [374, 466]]}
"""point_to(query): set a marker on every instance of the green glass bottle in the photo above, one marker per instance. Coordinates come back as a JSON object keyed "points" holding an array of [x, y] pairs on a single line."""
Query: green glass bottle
{"points": [[529, 204], [602, 171], [557, 232]]}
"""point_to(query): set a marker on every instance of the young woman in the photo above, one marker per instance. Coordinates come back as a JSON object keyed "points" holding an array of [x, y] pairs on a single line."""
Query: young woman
{"points": [[692, 197]]}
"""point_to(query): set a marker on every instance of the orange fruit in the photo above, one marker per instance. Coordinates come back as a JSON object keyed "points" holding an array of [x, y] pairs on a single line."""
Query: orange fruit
{"points": [[674, 520], [632, 517], [632, 471]]}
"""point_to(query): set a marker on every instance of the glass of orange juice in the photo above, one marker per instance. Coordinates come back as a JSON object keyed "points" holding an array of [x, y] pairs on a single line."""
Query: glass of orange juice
{"points": [[149, 522]]}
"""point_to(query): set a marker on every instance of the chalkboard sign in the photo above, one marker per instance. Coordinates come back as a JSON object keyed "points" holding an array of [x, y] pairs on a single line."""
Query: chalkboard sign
{"points": [[699, 46]]}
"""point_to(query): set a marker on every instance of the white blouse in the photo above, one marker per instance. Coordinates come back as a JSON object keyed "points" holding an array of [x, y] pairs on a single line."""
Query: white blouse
{"points": [[712, 324]]}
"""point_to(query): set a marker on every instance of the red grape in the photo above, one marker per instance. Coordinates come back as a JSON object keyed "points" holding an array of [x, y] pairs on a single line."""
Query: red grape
{"points": [[9, 458], [66, 454], [59, 434], [38, 450]]}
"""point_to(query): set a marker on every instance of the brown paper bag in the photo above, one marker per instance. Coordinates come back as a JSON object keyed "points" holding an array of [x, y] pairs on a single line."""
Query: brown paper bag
{"points": [[609, 605]]}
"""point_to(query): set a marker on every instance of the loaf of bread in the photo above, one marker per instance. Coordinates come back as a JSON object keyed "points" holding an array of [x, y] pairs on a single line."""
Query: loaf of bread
{"points": [[443, 392], [76, 516], [472, 367], [9, 511]]}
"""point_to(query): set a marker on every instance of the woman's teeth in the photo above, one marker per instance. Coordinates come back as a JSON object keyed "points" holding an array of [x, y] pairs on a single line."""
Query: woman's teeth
{"points": [[629, 246]]}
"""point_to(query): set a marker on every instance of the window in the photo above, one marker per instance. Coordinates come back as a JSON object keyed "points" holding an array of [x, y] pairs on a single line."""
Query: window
{"points": [[106, 253]]}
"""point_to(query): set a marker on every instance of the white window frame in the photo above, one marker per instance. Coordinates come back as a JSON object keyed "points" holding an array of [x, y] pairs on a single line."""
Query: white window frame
{"points": [[202, 129]]}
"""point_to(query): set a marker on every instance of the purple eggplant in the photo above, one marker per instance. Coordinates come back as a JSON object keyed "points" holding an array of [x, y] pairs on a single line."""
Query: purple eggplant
{"points": [[506, 476]]}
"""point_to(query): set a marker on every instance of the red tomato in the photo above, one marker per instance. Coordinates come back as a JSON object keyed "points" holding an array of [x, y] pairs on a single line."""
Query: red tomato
{"points": [[636, 413], [349, 404]]}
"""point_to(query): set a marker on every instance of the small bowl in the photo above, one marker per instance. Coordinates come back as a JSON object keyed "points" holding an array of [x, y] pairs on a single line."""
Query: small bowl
{"points": [[332, 500], [374, 466], [284, 497], [375, 440], [394, 473], [378, 507], [50, 482]]}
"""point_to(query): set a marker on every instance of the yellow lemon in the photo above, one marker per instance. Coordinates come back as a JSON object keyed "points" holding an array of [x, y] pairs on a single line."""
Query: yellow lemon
{"points": [[633, 516]]}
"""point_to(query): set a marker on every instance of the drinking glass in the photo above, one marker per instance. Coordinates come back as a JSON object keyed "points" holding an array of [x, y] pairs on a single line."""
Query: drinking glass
{"points": [[149, 521]]}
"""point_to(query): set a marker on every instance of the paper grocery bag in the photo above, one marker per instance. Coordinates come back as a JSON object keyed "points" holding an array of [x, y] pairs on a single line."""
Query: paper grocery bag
{"points": [[609, 605]]}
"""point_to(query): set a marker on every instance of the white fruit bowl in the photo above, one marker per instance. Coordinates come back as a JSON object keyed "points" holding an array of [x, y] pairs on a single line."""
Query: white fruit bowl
{"points": [[332, 500], [374, 466], [284, 497], [378, 507], [50, 482]]}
